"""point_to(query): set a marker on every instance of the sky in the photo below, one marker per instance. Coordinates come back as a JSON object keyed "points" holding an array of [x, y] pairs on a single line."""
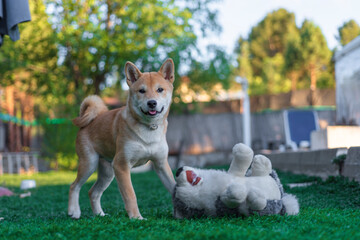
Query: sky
{"points": [[237, 17]]}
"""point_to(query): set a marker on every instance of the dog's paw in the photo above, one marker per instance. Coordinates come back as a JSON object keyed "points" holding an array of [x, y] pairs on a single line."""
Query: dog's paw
{"points": [[138, 218], [101, 214], [75, 214]]}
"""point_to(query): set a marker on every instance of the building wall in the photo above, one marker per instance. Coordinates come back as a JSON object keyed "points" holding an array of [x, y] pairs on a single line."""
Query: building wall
{"points": [[347, 74], [208, 133]]}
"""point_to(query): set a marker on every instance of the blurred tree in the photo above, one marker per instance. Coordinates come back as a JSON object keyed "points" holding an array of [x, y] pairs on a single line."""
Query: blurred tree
{"points": [[243, 59], [269, 37], [273, 75], [29, 65], [244, 68], [293, 59], [348, 31], [283, 57], [97, 37], [261, 55], [315, 53], [204, 75], [32, 59]]}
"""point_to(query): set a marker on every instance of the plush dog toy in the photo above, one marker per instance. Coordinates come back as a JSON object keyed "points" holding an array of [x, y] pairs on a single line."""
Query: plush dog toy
{"points": [[201, 192]]}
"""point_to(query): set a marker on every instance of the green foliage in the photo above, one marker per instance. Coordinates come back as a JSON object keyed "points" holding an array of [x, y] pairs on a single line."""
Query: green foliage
{"points": [[58, 145], [63, 161], [244, 66], [266, 56], [32, 60], [339, 160], [348, 31], [293, 59], [278, 56], [293, 53], [83, 46], [272, 74], [313, 43], [96, 38], [326, 213], [326, 78], [204, 75], [269, 37]]}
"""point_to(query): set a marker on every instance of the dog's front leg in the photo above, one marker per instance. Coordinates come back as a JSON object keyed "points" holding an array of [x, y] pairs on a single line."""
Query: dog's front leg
{"points": [[165, 174], [123, 178]]}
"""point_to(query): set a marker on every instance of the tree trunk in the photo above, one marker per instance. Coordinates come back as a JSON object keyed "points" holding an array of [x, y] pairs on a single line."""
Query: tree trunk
{"points": [[28, 115], [9, 92], [18, 135], [313, 80], [294, 79], [98, 80]]}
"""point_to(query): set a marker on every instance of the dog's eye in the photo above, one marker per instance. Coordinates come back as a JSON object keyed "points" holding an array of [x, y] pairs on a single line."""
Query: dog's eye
{"points": [[142, 91], [159, 90]]}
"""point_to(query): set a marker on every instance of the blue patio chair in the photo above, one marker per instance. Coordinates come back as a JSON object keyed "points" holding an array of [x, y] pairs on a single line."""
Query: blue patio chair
{"points": [[298, 126]]}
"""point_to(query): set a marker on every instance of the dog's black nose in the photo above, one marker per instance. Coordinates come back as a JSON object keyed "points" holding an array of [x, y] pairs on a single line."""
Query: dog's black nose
{"points": [[152, 103], [178, 171]]}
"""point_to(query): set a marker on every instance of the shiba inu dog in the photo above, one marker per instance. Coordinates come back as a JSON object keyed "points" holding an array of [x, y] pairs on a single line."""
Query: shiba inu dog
{"points": [[117, 140]]}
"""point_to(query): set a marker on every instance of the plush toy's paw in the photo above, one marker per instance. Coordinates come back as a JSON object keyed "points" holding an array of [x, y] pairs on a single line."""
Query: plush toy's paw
{"points": [[241, 151], [256, 200], [261, 166], [234, 195], [242, 158]]}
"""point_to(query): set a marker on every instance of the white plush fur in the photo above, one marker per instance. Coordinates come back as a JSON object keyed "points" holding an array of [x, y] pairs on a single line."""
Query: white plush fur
{"points": [[235, 190], [291, 204], [202, 195]]}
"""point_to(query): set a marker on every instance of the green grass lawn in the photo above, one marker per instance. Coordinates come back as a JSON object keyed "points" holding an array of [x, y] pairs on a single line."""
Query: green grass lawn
{"points": [[329, 210]]}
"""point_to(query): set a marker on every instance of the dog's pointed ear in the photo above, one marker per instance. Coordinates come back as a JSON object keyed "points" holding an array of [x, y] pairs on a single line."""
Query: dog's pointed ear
{"points": [[132, 73], [167, 70]]}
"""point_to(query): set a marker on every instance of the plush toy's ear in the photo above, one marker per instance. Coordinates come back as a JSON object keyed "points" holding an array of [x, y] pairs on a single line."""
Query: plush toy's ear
{"points": [[192, 177]]}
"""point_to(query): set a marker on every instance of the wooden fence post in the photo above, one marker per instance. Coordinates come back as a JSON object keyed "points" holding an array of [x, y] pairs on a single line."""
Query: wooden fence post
{"points": [[27, 162], [10, 163], [1, 165], [35, 162], [18, 162]]}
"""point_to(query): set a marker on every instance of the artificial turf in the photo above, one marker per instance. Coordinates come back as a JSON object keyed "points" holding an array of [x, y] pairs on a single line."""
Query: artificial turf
{"points": [[329, 210]]}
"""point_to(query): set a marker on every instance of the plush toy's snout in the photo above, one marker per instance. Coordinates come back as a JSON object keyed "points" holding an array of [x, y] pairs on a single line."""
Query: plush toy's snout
{"points": [[190, 176]]}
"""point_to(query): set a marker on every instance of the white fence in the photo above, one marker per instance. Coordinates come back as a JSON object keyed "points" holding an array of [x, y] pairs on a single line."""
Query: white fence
{"points": [[18, 162]]}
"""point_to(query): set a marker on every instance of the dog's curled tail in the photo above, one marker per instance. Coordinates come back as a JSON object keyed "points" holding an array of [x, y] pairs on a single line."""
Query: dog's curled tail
{"points": [[91, 107]]}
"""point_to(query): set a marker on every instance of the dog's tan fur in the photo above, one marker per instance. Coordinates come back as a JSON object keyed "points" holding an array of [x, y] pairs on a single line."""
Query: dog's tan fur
{"points": [[117, 140]]}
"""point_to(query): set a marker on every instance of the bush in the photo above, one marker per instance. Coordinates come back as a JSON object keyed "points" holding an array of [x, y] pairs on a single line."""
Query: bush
{"points": [[339, 161], [58, 145]]}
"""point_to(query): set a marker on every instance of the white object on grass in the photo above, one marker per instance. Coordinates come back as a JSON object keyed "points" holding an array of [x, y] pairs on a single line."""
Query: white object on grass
{"points": [[27, 184]]}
